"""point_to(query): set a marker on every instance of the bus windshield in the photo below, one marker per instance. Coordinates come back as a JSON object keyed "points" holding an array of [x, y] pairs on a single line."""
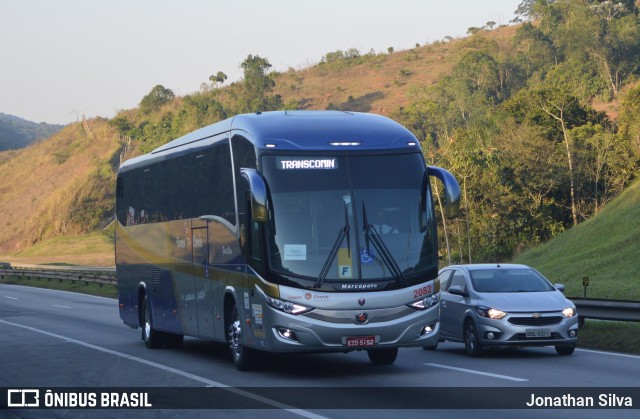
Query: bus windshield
{"points": [[349, 219]]}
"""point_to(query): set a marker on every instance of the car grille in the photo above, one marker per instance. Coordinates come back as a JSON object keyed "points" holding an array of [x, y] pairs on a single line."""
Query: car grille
{"points": [[535, 321]]}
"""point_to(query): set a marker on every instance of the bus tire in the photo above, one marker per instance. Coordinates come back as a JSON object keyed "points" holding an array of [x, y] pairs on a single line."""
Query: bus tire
{"points": [[385, 356], [151, 337], [244, 358]]}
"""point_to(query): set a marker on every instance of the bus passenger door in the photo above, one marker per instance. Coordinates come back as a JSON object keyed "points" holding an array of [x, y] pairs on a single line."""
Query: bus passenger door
{"points": [[203, 276]]}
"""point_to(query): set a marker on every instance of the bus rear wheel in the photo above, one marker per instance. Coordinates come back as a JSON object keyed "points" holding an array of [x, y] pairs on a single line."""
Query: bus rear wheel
{"points": [[385, 356], [244, 358]]}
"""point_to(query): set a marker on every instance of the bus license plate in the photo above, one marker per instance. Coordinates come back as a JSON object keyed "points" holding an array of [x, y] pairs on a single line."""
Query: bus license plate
{"points": [[538, 333], [361, 341]]}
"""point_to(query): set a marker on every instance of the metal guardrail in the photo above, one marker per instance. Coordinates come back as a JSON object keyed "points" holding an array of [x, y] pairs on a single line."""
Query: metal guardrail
{"points": [[99, 276], [63, 268], [620, 310]]}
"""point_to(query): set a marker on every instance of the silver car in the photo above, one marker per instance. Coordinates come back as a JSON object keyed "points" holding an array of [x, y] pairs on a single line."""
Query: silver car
{"points": [[489, 305]]}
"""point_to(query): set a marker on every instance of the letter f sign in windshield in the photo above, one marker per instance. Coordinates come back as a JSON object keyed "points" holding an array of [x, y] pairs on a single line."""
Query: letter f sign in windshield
{"points": [[345, 271]]}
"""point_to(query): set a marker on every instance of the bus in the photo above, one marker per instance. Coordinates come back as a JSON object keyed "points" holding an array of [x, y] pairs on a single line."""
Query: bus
{"points": [[284, 231]]}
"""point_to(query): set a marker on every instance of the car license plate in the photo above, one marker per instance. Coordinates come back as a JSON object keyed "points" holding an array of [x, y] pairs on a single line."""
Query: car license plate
{"points": [[353, 341], [538, 333]]}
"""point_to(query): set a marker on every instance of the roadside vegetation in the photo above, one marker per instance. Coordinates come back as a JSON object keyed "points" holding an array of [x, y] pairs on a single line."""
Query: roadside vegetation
{"points": [[603, 249], [623, 337]]}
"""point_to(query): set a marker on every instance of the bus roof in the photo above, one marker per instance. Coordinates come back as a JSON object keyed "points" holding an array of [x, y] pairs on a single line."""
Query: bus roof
{"points": [[301, 130]]}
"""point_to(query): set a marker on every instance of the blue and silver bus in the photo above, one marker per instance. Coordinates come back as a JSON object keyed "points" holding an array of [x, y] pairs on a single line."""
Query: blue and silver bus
{"points": [[293, 231]]}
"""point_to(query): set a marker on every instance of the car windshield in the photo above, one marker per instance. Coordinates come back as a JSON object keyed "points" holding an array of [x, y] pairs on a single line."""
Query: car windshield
{"points": [[318, 208], [509, 280]]}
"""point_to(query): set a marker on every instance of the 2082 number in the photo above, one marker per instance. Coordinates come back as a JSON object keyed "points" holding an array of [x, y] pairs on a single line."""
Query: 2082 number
{"points": [[421, 292]]}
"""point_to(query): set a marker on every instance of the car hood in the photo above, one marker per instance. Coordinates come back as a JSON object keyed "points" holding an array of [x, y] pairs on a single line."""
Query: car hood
{"points": [[525, 301]]}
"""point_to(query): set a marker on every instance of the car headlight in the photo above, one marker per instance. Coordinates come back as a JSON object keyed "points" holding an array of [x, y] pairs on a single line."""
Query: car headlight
{"points": [[426, 302], [490, 313], [287, 306], [568, 312]]}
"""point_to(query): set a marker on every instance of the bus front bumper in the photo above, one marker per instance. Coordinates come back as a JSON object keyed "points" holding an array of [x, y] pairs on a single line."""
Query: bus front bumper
{"points": [[348, 330]]}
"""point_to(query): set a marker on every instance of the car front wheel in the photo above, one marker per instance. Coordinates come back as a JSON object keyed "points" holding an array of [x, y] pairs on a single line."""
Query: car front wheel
{"points": [[431, 347], [471, 340], [565, 350]]}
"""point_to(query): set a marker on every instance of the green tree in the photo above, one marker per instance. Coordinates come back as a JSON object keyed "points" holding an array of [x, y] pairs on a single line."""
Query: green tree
{"points": [[525, 9], [157, 97], [604, 36], [256, 85], [479, 72], [558, 103], [628, 121], [218, 79], [535, 50]]}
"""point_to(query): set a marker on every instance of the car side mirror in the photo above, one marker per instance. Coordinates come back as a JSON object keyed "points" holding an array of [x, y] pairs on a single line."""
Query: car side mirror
{"points": [[559, 287], [457, 290]]}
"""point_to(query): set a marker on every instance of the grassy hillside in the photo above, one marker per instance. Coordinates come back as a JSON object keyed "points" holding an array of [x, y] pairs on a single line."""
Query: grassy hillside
{"points": [[604, 248], [384, 82], [60, 186], [92, 249]]}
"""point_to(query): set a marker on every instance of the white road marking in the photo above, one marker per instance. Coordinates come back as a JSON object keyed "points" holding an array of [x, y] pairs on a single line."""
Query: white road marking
{"points": [[488, 374], [10, 298], [56, 305], [609, 353], [194, 377]]}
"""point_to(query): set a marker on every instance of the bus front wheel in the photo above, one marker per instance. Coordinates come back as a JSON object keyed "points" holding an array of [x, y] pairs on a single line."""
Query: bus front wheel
{"points": [[383, 356], [243, 357]]}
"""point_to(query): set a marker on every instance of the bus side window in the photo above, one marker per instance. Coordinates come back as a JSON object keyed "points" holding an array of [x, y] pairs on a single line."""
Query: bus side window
{"points": [[221, 188]]}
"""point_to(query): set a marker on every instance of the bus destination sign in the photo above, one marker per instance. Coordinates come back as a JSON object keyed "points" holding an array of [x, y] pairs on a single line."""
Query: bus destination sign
{"points": [[321, 163]]}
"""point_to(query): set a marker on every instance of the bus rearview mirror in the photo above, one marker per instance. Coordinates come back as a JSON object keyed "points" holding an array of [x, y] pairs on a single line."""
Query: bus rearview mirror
{"points": [[451, 189], [258, 190]]}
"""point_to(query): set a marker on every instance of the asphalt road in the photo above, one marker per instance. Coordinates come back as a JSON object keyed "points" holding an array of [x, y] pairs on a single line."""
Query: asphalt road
{"points": [[54, 339]]}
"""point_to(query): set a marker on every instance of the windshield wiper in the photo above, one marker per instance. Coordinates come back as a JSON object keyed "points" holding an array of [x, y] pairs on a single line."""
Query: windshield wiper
{"points": [[344, 232], [371, 234]]}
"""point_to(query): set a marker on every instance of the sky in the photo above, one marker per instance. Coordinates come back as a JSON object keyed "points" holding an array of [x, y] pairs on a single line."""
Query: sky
{"points": [[62, 59]]}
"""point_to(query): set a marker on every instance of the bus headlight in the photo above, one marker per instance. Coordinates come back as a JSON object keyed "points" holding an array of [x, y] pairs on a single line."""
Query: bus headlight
{"points": [[287, 306], [426, 302]]}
